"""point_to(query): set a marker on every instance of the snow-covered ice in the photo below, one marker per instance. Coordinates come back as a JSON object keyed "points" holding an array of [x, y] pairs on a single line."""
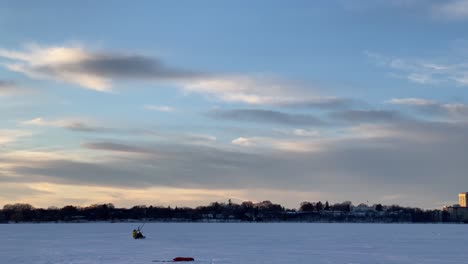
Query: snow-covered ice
{"points": [[235, 243]]}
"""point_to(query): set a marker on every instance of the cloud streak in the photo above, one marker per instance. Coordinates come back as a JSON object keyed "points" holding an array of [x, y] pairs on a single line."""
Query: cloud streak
{"points": [[424, 72], [10, 88], [12, 135], [446, 10], [159, 108], [451, 9], [266, 116], [263, 90], [368, 116], [89, 69], [453, 110], [111, 146], [69, 124]]}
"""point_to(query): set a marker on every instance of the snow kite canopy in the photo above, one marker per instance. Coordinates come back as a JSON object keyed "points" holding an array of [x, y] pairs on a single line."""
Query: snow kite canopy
{"points": [[178, 259]]}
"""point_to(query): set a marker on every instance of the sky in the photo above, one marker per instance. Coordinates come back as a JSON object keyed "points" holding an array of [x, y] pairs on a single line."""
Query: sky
{"points": [[186, 103]]}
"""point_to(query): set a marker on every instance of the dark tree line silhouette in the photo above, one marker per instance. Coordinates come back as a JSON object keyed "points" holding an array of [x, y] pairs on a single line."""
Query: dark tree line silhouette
{"points": [[246, 211]]}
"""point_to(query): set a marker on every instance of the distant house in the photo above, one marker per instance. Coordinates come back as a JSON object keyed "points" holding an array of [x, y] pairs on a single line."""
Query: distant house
{"points": [[363, 208], [457, 213]]}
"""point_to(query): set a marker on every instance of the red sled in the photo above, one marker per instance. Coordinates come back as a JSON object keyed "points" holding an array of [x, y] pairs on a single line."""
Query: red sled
{"points": [[179, 259]]}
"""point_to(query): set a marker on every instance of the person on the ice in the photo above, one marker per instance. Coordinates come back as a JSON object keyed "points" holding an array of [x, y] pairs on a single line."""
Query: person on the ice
{"points": [[136, 234]]}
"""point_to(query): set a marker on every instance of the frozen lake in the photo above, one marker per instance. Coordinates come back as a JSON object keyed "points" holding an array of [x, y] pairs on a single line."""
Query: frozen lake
{"points": [[235, 243]]}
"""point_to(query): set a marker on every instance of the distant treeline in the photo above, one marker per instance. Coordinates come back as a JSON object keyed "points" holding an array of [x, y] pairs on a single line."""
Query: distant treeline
{"points": [[221, 212]]}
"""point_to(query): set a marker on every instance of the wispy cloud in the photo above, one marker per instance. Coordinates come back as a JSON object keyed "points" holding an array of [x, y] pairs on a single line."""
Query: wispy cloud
{"points": [[446, 10], [455, 110], [412, 101], [160, 108], [12, 135], [15, 192], [368, 116], [201, 138], [9, 88], [266, 116], [112, 146], [264, 90], [451, 9], [298, 132], [69, 124], [424, 72], [87, 68], [268, 144], [306, 133]]}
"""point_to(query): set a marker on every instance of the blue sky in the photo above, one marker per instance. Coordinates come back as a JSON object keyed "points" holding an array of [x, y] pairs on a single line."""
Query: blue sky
{"points": [[186, 103]]}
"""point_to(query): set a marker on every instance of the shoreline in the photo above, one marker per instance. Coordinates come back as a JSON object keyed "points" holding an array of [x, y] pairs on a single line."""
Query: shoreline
{"points": [[230, 222]]}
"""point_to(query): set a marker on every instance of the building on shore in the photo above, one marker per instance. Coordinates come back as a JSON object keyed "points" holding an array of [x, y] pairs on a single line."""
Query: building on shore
{"points": [[458, 212], [463, 199]]}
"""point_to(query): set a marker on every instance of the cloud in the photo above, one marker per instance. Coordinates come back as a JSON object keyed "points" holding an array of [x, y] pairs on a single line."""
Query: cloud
{"points": [[265, 144], [454, 110], [97, 70], [200, 138], [177, 166], [9, 88], [375, 131], [160, 108], [421, 78], [39, 121], [306, 133], [242, 141], [451, 9], [12, 135], [424, 72], [266, 116], [83, 127], [412, 101], [401, 157], [86, 125], [110, 146], [17, 192], [69, 124], [263, 90], [368, 116], [298, 132], [89, 69]]}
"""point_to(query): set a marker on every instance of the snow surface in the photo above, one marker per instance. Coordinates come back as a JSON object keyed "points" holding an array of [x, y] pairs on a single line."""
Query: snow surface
{"points": [[235, 243]]}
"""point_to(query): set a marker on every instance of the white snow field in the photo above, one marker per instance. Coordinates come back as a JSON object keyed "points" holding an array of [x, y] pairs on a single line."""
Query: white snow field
{"points": [[235, 243]]}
